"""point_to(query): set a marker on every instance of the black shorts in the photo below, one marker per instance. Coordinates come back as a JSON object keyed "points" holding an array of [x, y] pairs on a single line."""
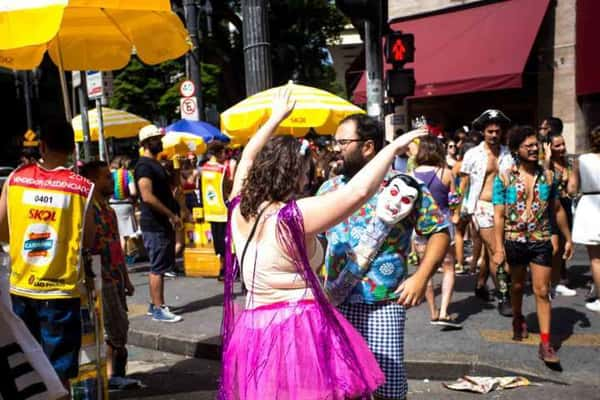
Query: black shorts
{"points": [[521, 254]]}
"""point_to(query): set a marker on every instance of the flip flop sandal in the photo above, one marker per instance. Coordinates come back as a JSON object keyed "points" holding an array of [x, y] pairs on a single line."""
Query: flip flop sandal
{"points": [[449, 322]]}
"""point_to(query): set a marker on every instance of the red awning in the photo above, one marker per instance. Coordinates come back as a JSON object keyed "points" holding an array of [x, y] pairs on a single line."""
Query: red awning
{"points": [[588, 56], [471, 50]]}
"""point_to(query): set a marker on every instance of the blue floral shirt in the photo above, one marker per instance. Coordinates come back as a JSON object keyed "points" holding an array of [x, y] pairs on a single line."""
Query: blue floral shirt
{"points": [[389, 267]]}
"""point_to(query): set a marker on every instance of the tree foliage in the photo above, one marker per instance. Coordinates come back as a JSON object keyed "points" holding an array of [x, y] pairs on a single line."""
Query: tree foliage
{"points": [[299, 33], [152, 92]]}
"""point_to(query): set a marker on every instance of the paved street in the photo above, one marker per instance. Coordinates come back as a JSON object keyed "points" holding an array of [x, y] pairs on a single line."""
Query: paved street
{"points": [[482, 347], [172, 377]]}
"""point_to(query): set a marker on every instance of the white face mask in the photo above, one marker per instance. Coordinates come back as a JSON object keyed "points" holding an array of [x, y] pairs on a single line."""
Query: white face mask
{"points": [[396, 201]]}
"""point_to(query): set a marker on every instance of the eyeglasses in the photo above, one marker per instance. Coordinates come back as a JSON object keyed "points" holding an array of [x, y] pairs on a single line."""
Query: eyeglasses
{"points": [[346, 142], [530, 146], [451, 146]]}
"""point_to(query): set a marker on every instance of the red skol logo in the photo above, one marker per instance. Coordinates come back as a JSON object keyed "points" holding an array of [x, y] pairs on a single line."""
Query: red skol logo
{"points": [[42, 215]]}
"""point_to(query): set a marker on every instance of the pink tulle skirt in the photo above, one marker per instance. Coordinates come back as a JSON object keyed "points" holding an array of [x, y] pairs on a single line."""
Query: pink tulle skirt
{"points": [[287, 351]]}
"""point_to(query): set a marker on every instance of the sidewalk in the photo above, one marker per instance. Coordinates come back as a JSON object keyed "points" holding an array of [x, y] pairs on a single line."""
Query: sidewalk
{"points": [[482, 347]]}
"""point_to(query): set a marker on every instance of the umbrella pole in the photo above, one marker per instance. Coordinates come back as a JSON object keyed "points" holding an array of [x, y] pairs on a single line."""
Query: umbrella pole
{"points": [[102, 149], [65, 95]]}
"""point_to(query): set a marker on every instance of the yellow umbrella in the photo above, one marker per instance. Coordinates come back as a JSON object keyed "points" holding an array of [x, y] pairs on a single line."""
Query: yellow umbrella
{"points": [[180, 144], [118, 124], [315, 108], [89, 34]]}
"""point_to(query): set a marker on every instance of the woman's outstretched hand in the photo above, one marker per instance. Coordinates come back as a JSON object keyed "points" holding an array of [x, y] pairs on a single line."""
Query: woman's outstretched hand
{"points": [[401, 143], [283, 103]]}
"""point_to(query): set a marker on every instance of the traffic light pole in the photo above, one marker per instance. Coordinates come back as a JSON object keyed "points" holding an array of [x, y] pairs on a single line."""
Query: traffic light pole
{"points": [[374, 66], [257, 48]]}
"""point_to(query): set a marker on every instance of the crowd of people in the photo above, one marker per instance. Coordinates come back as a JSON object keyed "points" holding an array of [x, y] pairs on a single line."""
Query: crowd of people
{"points": [[321, 232]]}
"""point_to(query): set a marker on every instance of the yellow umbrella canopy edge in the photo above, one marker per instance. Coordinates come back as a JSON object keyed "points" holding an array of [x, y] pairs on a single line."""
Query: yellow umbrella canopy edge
{"points": [[101, 35], [118, 124], [29, 22], [315, 108]]}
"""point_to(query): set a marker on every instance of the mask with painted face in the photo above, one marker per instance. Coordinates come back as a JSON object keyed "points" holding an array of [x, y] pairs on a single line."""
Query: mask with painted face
{"points": [[397, 200]]}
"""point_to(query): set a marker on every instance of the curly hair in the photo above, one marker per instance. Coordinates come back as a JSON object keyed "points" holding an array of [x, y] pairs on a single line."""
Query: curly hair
{"points": [[274, 175], [517, 135]]}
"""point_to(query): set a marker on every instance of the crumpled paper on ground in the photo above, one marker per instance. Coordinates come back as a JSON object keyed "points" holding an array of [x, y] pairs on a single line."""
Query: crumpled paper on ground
{"points": [[486, 384]]}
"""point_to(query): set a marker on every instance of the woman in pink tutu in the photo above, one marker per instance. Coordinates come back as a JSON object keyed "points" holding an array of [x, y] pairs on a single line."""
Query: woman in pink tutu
{"points": [[289, 342]]}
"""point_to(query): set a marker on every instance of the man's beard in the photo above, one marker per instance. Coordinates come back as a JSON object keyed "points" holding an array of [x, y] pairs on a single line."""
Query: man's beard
{"points": [[351, 164]]}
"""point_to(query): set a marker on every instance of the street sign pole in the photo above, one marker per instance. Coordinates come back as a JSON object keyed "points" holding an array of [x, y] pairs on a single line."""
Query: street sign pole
{"points": [[193, 56]]}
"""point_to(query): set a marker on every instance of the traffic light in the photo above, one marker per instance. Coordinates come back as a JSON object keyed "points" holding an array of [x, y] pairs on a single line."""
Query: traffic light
{"points": [[375, 11], [400, 83], [399, 50]]}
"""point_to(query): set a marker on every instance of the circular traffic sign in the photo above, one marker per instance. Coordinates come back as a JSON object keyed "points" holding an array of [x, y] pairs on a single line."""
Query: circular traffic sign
{"points": [[187, 88], [188, 106]]}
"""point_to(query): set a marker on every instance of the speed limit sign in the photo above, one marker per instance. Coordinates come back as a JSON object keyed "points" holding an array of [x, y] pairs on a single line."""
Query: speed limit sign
{"points": [[187, 88]]}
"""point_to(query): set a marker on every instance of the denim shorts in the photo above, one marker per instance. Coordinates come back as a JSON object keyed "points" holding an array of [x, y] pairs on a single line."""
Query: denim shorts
{"points": [[521, 254], [160, 247], [56, 325]]}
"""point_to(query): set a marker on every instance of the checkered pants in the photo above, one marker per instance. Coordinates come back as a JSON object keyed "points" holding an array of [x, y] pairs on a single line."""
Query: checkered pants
{"points": [[382, 326]]}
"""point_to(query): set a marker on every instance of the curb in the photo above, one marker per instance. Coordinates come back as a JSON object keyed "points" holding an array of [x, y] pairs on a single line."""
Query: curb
{"points": [[424, 366]]}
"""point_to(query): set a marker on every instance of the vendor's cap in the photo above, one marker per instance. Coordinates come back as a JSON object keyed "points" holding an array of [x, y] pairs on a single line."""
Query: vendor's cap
{"points": [[491, 117], [148, 132]]}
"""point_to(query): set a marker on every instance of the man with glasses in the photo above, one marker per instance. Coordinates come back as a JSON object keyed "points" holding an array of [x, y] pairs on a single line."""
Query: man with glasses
{"points": [[480, 166], [524, 199], [373, 304]]}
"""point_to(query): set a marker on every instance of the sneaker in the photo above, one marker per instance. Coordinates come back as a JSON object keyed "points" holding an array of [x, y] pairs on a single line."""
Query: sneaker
{"points": [[122, 383], [565, 291], [547, 354], [170, 274], [505, 309], [519, 328], [150, 309], [593, 306], [162, 314], [459, 269]]}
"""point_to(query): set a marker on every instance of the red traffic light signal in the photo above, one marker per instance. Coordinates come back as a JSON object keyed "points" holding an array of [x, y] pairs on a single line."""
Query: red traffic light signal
{"points": [[400, 48]]}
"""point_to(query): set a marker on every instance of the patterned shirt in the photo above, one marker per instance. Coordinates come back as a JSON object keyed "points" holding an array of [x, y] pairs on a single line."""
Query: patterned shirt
{"points": [[107, 243], [521, 225], [389, 267]]}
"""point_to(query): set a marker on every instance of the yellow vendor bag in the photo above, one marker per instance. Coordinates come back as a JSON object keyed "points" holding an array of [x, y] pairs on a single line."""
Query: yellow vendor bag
{"points": [[212, 192]]}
